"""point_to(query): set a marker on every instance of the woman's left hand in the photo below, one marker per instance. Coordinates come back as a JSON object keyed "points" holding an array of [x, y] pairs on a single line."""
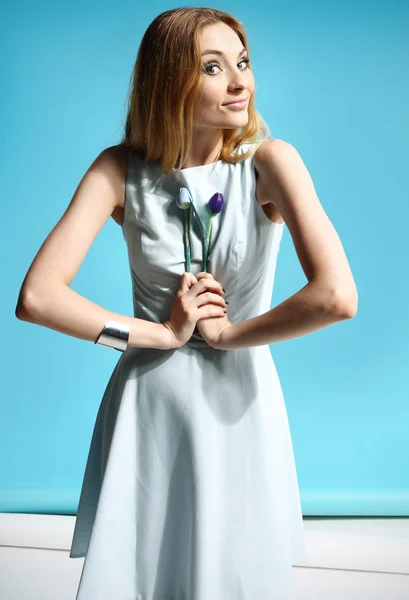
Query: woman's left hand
{"points": [[211, 328]]}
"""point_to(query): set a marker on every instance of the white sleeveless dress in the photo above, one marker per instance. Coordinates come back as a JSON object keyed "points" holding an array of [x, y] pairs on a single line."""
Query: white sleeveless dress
{"points": [[190, 490]]}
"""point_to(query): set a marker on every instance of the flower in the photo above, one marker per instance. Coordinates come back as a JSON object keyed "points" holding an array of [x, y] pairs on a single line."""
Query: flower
{"points": [[184, 198], [184, 202], [215, 206], [204, 214], [216, 203]]}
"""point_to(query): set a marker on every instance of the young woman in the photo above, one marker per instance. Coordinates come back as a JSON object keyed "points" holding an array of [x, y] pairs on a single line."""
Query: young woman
{"points": [[190, 490]]}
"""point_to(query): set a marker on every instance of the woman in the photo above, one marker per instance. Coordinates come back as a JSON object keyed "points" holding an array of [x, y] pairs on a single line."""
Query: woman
{"points": [[190, 489]]}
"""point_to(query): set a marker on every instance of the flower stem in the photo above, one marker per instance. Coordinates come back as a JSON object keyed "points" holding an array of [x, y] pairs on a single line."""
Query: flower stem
{"points": [[206, 245], [187, 241]]}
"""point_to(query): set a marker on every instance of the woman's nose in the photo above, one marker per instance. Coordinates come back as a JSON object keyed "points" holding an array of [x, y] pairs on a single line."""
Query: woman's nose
{"points": [[236, 85], [237, 81]]}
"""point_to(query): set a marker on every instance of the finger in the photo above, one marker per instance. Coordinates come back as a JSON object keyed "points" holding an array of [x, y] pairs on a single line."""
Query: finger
{"points": [[211, 284], [185, 283], [203, 274], [209, 297]]}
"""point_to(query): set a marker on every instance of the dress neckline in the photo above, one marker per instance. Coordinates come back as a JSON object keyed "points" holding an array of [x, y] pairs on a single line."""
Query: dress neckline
{"points": [[198, 166]]}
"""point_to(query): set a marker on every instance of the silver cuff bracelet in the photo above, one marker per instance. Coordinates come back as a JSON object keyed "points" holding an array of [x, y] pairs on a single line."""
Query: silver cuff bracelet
{"points": [[114, 335]]}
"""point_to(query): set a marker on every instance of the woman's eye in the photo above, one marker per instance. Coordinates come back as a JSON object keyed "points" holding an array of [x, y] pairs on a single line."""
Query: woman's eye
{"points": [[210, 66], [213, 65], [246, 61]]}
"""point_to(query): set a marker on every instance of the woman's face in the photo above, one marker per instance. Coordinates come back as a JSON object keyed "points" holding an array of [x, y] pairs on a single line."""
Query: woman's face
{"points": [[226, 78]]}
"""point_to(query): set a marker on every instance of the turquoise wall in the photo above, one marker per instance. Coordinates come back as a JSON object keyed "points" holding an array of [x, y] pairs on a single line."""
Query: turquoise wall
{"points": [[332, 79]]}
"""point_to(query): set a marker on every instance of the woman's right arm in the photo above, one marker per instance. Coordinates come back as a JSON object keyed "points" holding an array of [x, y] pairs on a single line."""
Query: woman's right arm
{"points": [[45, 296]]}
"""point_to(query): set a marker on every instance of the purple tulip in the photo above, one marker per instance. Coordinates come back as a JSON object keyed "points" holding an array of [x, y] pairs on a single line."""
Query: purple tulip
{"points": [[216, 203]]}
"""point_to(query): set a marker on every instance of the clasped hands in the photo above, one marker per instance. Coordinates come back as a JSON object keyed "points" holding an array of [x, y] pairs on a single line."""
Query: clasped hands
{"points": [[199, 302], [211, 328]]}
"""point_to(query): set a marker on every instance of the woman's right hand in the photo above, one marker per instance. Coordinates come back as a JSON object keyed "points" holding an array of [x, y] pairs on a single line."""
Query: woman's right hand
{"points": [[194, 300]]}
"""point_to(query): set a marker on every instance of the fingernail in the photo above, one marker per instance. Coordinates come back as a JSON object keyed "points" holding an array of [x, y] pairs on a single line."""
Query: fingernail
{"points": [[227, 302], [223, 290], [225, 310]]}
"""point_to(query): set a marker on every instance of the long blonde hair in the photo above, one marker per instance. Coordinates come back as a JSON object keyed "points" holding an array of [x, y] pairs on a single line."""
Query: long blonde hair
{"points": [[165, 80]]}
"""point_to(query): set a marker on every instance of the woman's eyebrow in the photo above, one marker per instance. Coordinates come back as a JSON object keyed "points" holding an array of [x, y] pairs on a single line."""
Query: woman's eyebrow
{"points": [[221, 53]]}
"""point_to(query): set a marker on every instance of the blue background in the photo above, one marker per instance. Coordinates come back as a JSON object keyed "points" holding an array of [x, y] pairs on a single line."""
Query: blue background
{"points": [[331, 79]]}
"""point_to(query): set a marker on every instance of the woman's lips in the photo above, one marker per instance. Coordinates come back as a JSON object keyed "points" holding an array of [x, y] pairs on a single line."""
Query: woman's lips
{"points": [[237, 105]]}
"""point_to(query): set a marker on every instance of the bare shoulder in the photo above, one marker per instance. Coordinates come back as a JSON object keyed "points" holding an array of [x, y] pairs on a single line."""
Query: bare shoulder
{"points": [[266, 188], [279, 166], [112, 162], [269, 150], [119, 153]]}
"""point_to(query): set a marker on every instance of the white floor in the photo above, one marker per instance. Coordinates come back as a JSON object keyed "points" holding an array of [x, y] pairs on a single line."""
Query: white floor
{"points": [[348, 559]]}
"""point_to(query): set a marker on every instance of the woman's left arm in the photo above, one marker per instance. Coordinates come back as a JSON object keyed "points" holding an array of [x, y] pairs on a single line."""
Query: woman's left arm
{"points": [[330, 294]]}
